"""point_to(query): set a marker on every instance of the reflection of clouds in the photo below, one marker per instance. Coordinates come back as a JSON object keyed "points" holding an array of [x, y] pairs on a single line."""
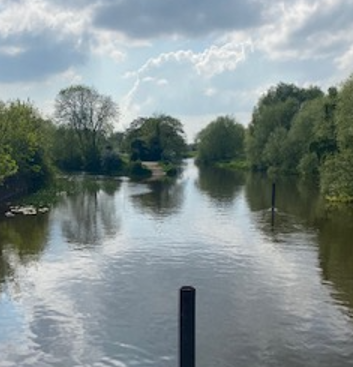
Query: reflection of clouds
{"points": [[23, 240], [53, 327], [116, 304], [286, 271], [83, 312]]}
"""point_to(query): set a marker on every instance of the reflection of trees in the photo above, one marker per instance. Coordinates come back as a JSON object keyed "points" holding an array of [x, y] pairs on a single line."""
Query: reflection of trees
{"points": [[25, 235], [293, 197], [220, 184], [336, 252], [22, 239], [165, 197], [300, 203], [90, 214]]}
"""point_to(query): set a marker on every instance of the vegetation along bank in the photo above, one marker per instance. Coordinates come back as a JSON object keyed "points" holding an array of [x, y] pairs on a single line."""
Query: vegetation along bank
{"points": [[293, 131]]}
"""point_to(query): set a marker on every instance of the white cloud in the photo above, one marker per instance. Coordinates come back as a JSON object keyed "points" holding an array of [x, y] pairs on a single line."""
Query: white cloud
{"points": [[198, 59], [108, 44], [306, 30], [345, 61], [193, 70], [209, 92], [12, 50], [218, 59], [37, 15]]}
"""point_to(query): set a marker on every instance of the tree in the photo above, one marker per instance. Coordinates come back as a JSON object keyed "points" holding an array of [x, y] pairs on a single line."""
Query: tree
{"points": [[221, 140], [275, 111], [156, 138], [336, 175], [345, 116], [90, 116], [24, 148], [66, 151]]}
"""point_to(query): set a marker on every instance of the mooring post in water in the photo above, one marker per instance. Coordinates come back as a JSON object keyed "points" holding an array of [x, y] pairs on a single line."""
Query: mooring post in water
{"points": [[187, 327], [273, 203]]}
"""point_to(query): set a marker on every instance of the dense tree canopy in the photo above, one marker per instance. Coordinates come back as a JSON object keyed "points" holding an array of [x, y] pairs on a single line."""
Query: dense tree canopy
{"points": [[271, 120], [221, 140], [293, 130], [89, 115], [336, 173], [24, 143], [156, 138]]}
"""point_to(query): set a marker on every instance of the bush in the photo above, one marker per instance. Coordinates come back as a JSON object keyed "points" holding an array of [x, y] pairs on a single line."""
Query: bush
{"points": [[137, 170]]}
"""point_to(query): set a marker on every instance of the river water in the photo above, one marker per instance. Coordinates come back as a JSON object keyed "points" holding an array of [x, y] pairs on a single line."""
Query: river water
{"points": [[95, 281]]}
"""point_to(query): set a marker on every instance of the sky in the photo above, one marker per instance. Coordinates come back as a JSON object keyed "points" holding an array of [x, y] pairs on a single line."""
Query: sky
{"points": [[191, 59]]}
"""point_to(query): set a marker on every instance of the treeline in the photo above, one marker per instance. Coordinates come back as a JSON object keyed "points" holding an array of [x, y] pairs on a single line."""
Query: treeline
{"points": [[308, 133], [293, 131], [80, 137]]}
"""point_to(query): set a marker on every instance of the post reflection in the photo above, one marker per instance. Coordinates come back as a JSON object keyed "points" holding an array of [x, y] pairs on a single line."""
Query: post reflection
{"points": [[301, 209]]}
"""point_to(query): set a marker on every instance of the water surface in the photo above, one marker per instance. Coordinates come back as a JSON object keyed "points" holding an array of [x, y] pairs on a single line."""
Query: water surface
{"points": [[95, 281]]}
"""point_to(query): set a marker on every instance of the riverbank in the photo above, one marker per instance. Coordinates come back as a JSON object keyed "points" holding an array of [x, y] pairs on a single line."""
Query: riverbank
{"points": [[10, 189], [155, 168]]}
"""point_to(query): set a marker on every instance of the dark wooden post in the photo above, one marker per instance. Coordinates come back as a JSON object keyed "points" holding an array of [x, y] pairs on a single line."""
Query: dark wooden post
{"points": [[273, 204], [187, 327]]}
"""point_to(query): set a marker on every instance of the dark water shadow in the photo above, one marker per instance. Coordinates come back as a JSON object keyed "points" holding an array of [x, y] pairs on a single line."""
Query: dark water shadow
{"points": [[300, 210], [89, 214], [163, 198], [23, 240], [221, 185]]}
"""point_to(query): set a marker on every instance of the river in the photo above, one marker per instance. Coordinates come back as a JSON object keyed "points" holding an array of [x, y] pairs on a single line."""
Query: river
{"points": [[95, 281]]}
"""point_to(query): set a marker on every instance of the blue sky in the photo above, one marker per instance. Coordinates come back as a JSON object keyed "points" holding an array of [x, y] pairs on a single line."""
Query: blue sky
{"points": [[192, 59]]}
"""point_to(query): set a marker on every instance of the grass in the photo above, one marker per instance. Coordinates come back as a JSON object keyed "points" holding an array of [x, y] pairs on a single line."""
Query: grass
{"points": [[235, 164]]}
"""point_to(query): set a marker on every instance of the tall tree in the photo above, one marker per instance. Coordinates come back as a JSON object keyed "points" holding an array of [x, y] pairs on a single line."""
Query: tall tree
{"points": [[275, 111], [221, 140], [336, 180], [90, 115], [160, 137]]}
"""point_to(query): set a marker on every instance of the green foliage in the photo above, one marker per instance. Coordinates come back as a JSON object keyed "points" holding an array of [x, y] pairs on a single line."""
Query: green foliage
{"points": [[156, 138], [308, 166], [272, 119], [238, 164], [336, 180], [89, 116], [336, 175], [111, 162], [302, 131], [169, 168], [24, 143], [138, 171], [345, 116], [221, 140], [65, 149], [8, 166]]}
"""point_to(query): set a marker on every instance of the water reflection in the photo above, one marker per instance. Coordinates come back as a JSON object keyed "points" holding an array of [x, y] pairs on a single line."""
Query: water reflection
{"points": [[90, 214], [165, 197], [297, 203], [220, 184], [261, 297], [22, 240], [336, 251], [302, 213]]}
